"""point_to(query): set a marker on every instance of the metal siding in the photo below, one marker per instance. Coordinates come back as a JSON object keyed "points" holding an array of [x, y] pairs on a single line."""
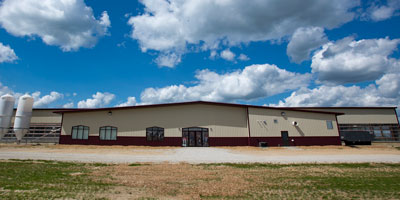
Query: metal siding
{"points": [[363, 115], [223, 121], [43, 117], [310, 124]]}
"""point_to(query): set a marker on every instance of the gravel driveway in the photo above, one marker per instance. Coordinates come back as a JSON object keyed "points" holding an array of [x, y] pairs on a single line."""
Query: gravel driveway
{"points": [[202, 155]]}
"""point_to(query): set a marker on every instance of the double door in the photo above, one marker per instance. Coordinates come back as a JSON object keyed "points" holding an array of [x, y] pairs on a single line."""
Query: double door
{"points": [[195, 137]]}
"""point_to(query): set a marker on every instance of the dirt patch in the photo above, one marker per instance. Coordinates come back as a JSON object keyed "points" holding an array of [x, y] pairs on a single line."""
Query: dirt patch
{"points": [[185, 181]]}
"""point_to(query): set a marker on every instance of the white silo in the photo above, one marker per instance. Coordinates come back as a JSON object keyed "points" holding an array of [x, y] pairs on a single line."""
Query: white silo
{"points": [[23, 116], [6, 112]]}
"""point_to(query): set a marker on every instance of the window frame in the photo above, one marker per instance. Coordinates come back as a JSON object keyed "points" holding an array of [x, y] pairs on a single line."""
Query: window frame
{"points": [[155, 133], [108, 136], [329, 124], [80, 133]]}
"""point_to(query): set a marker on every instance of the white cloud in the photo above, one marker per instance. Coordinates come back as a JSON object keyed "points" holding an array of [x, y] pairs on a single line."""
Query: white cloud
{"points": [[350, 61], [7, 54], [46, 100], [383, 12], [68, 105], [173, 25], [228, 55], [213, 54], [303, 41], [253, 82], [5, 90], [131, 101], [386, 92], [243, 57], [168, 59], [98, 100], [69, 24]]}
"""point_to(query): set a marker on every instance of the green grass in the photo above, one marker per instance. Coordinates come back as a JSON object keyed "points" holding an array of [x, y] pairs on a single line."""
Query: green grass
{"points": [[27, 179], [40, 179], [398, 148]]}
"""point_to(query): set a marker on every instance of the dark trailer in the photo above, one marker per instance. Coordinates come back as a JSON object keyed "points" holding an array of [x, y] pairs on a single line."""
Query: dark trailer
{"points": [[356, 137]]}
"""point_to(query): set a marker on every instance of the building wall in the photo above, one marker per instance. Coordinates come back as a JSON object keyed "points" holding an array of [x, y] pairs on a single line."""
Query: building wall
{"points": [[363, 115], [43, 116], [310, 124], [222, 121]]}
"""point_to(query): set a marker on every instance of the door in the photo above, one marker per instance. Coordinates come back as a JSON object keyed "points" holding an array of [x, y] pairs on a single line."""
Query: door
{"points": [[195, 137], [192, 141], [285, 138], [199, 139]]}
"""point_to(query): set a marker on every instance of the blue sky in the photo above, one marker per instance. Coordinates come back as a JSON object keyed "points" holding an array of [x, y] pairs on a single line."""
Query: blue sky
{"points": [[156, 51]]}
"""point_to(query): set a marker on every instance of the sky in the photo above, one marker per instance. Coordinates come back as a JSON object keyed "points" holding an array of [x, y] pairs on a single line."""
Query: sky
{"points": [[98, 53]]}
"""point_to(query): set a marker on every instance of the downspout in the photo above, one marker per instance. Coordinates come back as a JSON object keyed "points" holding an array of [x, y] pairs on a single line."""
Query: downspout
{"points": [[61, 127], [338, 129], [248, 126]]}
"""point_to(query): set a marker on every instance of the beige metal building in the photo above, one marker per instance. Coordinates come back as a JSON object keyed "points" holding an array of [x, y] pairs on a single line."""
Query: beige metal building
{"points": [[381, 121], [208, 124]]}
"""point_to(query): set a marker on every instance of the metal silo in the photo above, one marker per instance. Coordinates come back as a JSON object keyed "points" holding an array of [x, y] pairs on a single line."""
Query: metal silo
{"points": [[23, 116], [6, 111]]}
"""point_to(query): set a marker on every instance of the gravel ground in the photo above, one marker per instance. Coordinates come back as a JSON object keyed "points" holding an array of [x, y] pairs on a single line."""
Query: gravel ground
{"points": [[203, 155]]}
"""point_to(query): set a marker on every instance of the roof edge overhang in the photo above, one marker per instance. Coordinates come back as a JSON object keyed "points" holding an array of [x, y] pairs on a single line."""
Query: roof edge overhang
{"points": [[190, 103]]}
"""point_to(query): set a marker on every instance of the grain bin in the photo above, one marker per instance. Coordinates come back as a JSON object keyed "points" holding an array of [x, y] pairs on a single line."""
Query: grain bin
{"points": [[6, 111], [23, 116]]}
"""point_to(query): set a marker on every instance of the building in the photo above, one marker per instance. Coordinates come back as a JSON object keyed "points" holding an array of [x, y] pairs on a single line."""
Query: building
{"points": [[217, 124], [381, 121], [202, 123]]}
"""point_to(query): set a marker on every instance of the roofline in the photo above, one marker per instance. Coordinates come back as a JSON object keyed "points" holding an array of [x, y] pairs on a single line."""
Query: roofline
{"points": [[54, 109], [192, 102], [384, 107]]}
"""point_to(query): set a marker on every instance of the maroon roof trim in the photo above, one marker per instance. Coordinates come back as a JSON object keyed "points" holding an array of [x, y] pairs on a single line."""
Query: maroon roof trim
{"points": [[192, 102]]}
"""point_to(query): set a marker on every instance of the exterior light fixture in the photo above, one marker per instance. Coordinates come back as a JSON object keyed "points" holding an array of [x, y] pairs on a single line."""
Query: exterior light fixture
{"points": [[283, 114], [109, 113]]}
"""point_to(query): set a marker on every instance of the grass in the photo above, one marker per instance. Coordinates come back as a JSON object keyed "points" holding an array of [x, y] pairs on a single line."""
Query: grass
{"points": [[28, 179], [35, 179]]}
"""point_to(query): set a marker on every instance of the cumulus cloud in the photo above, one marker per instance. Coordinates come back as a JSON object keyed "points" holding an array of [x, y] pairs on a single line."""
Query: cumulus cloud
{"points": [[68, 105], [253, 82], [7, 54], [168, 59], [303, 41], [228, 55], [350, 61], [173, 25], [379, 11], [69, 24], [46, 100], [243, 57], [98, 100], [385, 92], [131, 101]]}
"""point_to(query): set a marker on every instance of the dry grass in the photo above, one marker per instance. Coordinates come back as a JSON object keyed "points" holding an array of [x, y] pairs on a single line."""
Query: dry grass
{"points": [[28, 179], [255, 181]]}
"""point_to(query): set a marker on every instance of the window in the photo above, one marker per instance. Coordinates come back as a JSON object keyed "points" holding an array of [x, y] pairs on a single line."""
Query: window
{"points": [[80, 132], [155, 133], [386, 131], [108, 133], [329, 124]]}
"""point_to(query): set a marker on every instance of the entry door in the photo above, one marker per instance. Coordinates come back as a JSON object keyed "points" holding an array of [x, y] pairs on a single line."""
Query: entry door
{"points": [[192, 141], [195, 137], [199, 139], [285, 138]]}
